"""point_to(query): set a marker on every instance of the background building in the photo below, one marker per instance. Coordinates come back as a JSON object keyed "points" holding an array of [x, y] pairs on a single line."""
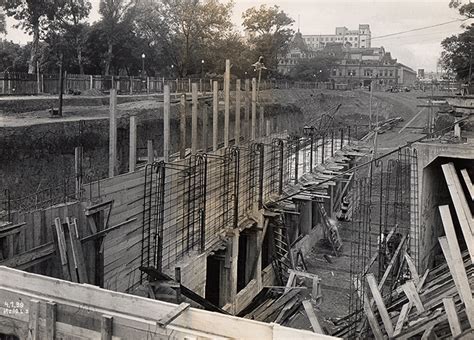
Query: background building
{"points": [[357, 62], [360, 38]]}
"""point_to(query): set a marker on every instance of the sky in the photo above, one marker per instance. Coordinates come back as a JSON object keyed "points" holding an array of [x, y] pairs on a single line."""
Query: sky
{"points": [[419, 49]]}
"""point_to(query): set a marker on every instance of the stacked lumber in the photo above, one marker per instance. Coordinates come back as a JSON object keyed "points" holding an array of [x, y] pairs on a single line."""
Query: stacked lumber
{"points": [[280, 304], [275, 304], [438, 304]]}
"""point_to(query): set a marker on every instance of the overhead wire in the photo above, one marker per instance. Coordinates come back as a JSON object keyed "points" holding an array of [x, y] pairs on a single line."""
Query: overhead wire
{"points": [[418, 29]]}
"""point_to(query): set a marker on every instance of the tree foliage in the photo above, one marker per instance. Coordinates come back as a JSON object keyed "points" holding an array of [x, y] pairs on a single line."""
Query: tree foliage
{"points": [[182, 29], [458, 53], [38, 17], [3, 24], [116, 19], [465, 8], [270, 30], [314, 69]]}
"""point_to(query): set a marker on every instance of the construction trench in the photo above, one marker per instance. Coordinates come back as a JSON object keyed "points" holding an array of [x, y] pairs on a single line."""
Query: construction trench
{"points": [[268, 224]]}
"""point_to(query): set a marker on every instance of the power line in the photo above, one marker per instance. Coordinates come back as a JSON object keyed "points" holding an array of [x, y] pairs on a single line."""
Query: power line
{"points": [[418, 29]]}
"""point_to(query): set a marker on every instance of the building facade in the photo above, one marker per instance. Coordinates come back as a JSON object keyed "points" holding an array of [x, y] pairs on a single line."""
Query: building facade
{"points": [[360, 38], [356, 66]]}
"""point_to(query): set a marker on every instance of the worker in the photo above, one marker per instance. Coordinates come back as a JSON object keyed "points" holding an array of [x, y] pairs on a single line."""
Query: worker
{"points": [[342, 214]]}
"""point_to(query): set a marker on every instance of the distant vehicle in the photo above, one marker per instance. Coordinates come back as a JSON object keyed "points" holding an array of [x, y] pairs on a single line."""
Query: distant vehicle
{"points": [[406, 89]]}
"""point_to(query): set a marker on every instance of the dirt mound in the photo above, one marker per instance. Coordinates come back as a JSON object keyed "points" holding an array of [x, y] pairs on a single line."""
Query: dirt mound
{"points": [[91, 92]]}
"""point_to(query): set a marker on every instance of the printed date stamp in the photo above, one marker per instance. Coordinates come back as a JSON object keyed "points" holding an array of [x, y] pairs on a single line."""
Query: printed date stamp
{"points": [[13, 307]]}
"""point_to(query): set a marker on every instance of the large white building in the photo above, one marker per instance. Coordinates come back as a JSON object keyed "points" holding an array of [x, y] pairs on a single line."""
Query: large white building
{"points": [[349, 38]]}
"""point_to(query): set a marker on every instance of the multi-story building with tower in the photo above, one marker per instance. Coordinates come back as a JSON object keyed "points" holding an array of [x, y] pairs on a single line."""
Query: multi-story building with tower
{"points": [[360, 38]]}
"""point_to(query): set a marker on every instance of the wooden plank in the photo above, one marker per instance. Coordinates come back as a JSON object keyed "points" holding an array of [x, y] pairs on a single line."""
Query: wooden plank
{"points": [[33, 323], [402, 317], [373, 323], [276, 305], [31, 257], [150, 154], [215, 115], [308, 307], [468, 182], [113, 133], [253, 129], [375, 256], [461, 206], [289, 283], [172, 315], [226, 102], [166, 123], [387, 321], [392, 261], [422, 281], [62, 248], [411, 266], [237, 112], [453, 320], [50, 329], [106, 327], [194, 119], [450, 248], [412, 295], [71, 254], [132, 159], [428, 332], [182, 126], [77, 247]]}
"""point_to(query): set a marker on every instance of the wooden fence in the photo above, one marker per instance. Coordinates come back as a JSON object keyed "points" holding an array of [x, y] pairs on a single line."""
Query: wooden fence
{"points": [[13, 83]]}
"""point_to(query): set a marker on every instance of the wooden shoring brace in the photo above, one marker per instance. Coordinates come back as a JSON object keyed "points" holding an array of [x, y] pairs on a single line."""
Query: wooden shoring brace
{"points": [[411, 266], [453, 320], [456, 267], [76, 247], [172, 315], [106, 327], [375, 256], [469, 184], [402, 317], [461, 206], [452, 253], [34, 320], [62, 248], [412, 295], [313, 319], [373, 323], [386, 320]]}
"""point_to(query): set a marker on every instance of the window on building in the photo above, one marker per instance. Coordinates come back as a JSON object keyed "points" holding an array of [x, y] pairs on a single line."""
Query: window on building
{"points": [[391, 73], [350, 38], [334, 72], [332, 39], [385, 73]]}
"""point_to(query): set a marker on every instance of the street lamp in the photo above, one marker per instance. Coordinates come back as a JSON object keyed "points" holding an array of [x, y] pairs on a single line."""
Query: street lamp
{"points": [[202, 68], [143, 64]]}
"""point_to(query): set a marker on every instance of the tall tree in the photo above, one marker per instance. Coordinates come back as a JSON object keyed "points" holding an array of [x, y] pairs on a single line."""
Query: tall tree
{"points": [[314, 69], [458, 53], [270, 29], [3, 24], [183, 29], [116, 14], [38, 16], [466, 8]]}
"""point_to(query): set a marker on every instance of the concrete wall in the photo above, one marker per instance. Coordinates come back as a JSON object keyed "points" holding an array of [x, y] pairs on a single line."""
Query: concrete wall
{"points": [[432, 191]]}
